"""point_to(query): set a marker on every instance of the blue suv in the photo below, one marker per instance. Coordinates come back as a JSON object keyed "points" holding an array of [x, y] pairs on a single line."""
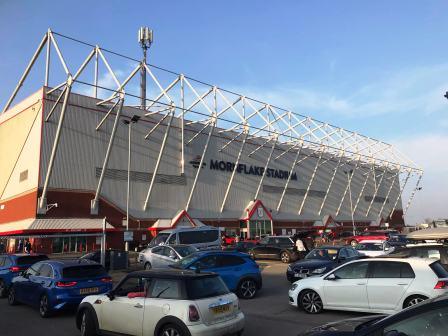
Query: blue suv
{"points": [[239, 272], [12, 264], [53, 285]]}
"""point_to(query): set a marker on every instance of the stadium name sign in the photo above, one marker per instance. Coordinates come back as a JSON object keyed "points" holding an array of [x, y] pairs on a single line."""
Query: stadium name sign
{"points": [[251, 170]]}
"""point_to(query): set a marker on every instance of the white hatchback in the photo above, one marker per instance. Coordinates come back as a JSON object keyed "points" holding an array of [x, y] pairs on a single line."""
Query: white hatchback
{"points": [[374, 248], [163, 303], [380, 285]]}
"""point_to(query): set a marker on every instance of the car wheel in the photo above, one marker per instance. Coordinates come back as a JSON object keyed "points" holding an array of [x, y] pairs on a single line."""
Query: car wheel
{"points": [[172, 330], [353, 242], [12, 297], [87, 326], [311, 302], [3, 289], [247, 289], [413, 300], [44, 307], [285, 257], [148, 266]]}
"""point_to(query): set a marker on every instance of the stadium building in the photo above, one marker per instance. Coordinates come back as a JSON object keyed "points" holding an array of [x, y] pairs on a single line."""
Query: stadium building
{"points": [[80, 156]]}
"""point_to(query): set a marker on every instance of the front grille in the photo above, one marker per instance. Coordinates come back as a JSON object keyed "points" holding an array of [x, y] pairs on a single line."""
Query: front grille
{"points": [[302, 271]]}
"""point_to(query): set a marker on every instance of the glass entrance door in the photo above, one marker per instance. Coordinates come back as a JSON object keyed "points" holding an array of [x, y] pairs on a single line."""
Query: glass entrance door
{"points": [[257, 228]]}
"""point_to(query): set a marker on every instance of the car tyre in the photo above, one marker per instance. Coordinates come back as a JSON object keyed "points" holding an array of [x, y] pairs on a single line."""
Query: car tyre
{"points": [[353, 242], [172, 330], [413, 300], [247, 289], [311, 302], [12, 297], [44, 307], [148, 266], [3, 289], [285, 257], [87, 325]]}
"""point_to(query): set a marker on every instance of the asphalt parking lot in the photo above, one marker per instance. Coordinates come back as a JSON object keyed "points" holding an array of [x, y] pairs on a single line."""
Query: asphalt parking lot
{"points": [[267, 314]]}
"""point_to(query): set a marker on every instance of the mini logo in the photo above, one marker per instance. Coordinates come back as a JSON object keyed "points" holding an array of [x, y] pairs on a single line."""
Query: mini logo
{"points": [[197, 161]]}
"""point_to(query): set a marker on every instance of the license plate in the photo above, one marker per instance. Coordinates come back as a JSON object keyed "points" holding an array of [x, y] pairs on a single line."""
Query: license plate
{"points": [[300, 275], [221, 309], [91, 290]]}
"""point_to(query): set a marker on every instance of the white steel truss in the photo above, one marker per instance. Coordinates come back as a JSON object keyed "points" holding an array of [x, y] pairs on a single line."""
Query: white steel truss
{"points": [[178, 96]]}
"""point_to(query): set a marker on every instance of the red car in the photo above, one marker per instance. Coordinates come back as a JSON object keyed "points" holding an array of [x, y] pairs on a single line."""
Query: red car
{"points": [[368, 235]]}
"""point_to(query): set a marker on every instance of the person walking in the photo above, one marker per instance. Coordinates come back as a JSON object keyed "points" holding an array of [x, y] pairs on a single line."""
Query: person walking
{"points": [[301, 249], [28, 247]]}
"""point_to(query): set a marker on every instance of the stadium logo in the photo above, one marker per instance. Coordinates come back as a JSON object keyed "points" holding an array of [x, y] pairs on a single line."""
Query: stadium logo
{"points": [[197, 161]]}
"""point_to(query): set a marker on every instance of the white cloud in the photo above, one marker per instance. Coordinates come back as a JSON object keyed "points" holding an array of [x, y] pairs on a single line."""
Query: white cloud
{"points": [[417, 89], [432, 200]]}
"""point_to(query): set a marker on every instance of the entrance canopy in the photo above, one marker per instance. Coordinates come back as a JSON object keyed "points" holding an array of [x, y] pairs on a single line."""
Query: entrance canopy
{"points": [[182, 219], [53, 225]]}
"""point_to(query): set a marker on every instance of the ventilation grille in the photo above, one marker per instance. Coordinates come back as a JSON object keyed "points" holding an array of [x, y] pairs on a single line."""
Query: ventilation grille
{"points": [[293, 191], [135, 176]]}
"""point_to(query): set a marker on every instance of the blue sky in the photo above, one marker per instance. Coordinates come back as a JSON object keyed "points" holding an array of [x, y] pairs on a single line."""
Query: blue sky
{"points": [[376, 67]]}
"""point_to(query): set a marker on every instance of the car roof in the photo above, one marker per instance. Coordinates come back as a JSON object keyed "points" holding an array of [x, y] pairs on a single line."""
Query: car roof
{"points": [[373, 241], [69, 262], [171, 274], [413, 260]]}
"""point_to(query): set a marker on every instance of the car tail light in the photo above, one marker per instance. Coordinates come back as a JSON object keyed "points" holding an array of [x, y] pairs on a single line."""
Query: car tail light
{"points": [[14, 269], [193, 314], [106, 280], [441, 285], [65, 284]]}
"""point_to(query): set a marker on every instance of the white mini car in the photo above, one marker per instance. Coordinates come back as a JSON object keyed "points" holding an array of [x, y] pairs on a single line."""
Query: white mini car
{"points": [[163, 303], [379, 285], [374, 248], [164, 255]]}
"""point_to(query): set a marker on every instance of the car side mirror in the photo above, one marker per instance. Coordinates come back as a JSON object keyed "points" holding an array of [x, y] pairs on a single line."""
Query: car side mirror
{"points": [[332, 277]]}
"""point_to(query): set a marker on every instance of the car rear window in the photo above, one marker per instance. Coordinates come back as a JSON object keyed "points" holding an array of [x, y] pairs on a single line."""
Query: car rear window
{"points": [[29, 260], [83, 271], [439, 269], [198, 237], [206, 287]]}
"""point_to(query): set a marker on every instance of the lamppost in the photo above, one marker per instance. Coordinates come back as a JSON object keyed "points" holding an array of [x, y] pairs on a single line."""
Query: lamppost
{"points": [[349, 173], [129, 122]]}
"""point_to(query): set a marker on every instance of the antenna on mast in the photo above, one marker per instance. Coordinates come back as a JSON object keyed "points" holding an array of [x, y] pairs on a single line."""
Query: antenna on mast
{"points": [[145, 39]]}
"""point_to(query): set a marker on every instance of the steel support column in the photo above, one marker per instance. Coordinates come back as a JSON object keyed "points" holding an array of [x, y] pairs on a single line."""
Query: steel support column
{"points": [[42, 208], [348, 185], [413, 193], [362, 190], [376, 190], [335, 170], [388, 192], [265, 168], [159, 159], [94, 202], [311, 182], [400, 193]]}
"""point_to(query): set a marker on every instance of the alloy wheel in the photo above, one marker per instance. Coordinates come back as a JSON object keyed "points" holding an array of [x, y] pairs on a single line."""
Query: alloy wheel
{"points": [[12, 297], [43, 306], [284, 257], [311, 302], [248, 289], [170, 331], [148, 266], [83, 324], [2, 289], [415, 301]]}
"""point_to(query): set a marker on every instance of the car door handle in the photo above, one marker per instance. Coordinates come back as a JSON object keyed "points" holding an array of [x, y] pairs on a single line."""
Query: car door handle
{"points": [[402, 284], [138, 305], [361, 284]]}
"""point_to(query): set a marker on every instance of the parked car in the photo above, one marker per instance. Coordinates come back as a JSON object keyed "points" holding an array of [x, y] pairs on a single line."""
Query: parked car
{"points": [[244, 246], [427, 319], [374, 248], [275, 247], [437, 251], [397, 240], [96, 257], [321, 260], [202, 237], [229, 240], [371, 285], [11, 265], [53, 285], [240, 273], [163, 302], [368, 235], [163, 256]]}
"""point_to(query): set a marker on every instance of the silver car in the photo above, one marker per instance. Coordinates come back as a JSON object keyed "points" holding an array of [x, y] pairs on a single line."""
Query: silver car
{"points": [[164, 255]]}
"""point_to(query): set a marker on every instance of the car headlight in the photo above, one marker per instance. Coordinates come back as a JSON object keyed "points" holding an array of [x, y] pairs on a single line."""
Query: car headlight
{"points": [[289, 268], [319, 270], [294, 286]]}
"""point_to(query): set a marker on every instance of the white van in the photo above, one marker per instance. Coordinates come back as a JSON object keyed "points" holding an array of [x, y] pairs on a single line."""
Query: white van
{"points": [[203, 238]]}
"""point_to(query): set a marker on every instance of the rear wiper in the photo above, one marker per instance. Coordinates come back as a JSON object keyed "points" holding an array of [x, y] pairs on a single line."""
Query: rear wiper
{"points": [[163, 291]]}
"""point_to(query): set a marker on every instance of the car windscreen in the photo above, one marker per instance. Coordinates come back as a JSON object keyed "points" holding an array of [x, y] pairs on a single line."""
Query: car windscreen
{"points": [[369, 247], [83, 271], [183, 263], [159, 239], [323, 254], [185, 250], [205, 287], [29, 260], [198, 237]]}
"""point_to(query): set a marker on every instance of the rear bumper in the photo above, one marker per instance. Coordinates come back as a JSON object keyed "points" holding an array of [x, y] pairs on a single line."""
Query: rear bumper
{"points": [[230, 327], [61, 301]]}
